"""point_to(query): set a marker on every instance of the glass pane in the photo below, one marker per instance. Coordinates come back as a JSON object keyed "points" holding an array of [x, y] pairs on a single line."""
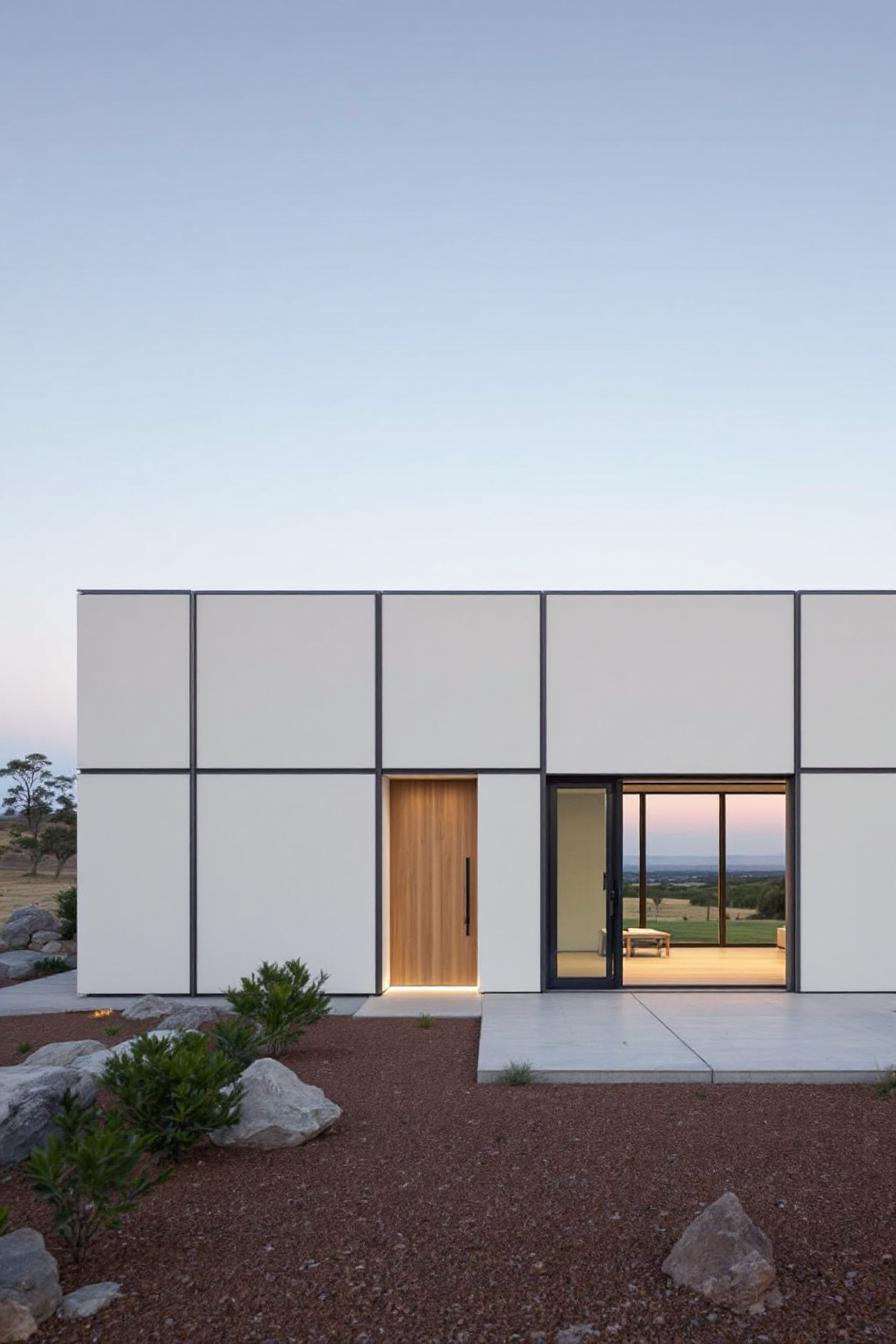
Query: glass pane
{"points": [[756, 828], [581, 883], [683, 866]]}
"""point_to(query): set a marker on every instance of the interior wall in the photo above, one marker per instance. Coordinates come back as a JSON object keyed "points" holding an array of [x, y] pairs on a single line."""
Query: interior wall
{"points": [[509, 883], [133, 884], [847, 882], [581, 865]]}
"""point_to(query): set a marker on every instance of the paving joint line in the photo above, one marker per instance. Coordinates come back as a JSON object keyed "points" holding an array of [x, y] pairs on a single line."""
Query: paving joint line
{"points": [[687, 1045]]}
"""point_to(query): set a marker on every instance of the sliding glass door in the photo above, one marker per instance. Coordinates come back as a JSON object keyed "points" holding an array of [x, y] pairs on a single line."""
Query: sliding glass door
{"points": [[585, 883]]}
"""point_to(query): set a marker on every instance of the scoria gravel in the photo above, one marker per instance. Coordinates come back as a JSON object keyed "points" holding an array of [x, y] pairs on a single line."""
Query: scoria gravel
{"points": [[440, 1211]]}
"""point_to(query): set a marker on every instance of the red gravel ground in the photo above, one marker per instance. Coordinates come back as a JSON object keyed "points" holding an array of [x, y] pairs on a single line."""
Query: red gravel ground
{"points": [[438, 1210]]}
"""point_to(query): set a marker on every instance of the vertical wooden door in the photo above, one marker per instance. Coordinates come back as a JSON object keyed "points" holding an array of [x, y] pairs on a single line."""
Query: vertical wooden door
{"points": [[432, 855]]}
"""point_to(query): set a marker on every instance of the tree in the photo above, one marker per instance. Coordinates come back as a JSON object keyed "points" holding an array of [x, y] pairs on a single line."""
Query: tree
{"points": [[59, 840], [35, 795]]}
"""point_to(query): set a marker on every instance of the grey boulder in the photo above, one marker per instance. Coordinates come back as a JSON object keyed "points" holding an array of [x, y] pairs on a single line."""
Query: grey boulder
{"points": [[30, 1099], [16, 1322], [60, 947], [28, 1273], [151, 1005], [14, 965], [62, 1053], [90, 1299], [24, 923], [278, 1110], [724, 1256], [44, 936], [189, 1016]]}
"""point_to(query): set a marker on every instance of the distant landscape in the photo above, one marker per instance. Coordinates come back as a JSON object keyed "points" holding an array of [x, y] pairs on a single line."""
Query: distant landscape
{"points": [[683, 897]]}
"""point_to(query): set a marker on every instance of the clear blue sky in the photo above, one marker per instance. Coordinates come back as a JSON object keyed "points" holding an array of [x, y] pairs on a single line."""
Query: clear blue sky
{"points": [[476, 293]]}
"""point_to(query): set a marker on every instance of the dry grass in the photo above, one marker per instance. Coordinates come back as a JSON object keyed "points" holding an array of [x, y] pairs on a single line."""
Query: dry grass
{"points": [[17, 889]]}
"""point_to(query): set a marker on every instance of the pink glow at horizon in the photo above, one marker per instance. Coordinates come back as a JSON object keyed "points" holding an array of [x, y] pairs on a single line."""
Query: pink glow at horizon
{"points": [[687, 823]]}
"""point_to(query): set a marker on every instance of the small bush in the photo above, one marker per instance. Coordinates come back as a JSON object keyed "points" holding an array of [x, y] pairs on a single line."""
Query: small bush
{"points": [[238, 1040], [518, 1073], [67, 910], [425, 1020], [24, 1047], [886, 1086], [50, 966], [91, 1173], [111, 1031], [173, 1090], [279, 1001], [4, 1219]]}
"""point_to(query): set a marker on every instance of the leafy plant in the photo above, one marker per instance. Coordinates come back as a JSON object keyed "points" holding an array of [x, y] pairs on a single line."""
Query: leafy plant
{"points": [[50, 966], [67, 910], [279, 1001], [238, 1040], [425, 1020], [173, 1090], [24, 1047], [518, 1073], [4, 1219], [91, 1173], [111, 1031], [886, 1086]]}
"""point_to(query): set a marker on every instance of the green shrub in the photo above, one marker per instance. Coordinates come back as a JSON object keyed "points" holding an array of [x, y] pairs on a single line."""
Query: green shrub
{"points": [[279, 1001], [24, 1047], [425, 1020], [173, 1090], [67, 910], [50, 966], [91, 1173], [238, 1040], [518, 1073], [4, 1219], [886, 1086]]}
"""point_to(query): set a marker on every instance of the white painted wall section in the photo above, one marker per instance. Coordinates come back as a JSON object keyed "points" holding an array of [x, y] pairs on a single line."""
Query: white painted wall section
{"points": [[286, 868], [848, 658], [133, 884], [133, 681], [460, 681], [509, 883], [285, 680], [847, 883], [670, 684]]}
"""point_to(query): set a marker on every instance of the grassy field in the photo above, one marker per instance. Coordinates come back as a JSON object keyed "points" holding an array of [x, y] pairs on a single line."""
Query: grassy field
{"points": [[687, 923]]}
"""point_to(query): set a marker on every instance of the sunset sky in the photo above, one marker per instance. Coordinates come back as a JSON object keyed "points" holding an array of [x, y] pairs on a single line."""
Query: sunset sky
{"points": [[688, 824], [395, 295]]}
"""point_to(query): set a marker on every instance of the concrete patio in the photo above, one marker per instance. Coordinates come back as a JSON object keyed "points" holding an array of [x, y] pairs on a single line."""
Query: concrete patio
{"points": [[702, 1037]]}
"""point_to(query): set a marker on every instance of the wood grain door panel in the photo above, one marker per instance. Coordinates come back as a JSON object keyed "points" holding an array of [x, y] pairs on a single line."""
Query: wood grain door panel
{"points": [[432, 832]]}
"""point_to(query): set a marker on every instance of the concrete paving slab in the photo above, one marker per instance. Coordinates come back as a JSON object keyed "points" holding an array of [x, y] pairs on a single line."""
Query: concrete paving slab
{"points": [[441, 1002], [583, 1038], [59, 994], [787, 1038]]}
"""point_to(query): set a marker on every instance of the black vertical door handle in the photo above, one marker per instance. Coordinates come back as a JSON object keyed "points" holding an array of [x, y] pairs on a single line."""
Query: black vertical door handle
{"points": [[467, 896]]}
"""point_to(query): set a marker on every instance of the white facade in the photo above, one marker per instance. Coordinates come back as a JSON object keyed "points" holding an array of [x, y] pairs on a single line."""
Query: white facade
{"points": [[235, 754]]}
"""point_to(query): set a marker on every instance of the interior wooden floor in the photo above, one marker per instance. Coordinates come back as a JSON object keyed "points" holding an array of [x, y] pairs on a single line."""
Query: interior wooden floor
{"points": [[693, 966]]}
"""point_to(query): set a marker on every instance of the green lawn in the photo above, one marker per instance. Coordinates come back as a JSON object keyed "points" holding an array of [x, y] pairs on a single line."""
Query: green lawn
{"points": [[707, 930]]}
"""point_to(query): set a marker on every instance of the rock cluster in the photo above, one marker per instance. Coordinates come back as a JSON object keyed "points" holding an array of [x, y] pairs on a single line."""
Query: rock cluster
{"points": [[30, 1291], [278, 1110], [30, 1099], [29, 935]]}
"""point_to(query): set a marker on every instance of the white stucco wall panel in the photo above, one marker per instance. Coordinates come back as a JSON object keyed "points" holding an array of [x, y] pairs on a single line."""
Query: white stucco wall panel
{"points": [[133, 884], [460, 681], [286, 868], [509, 883], [133, 681], [848, 663], [847, 883], [285, 680], [678, 684]]}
